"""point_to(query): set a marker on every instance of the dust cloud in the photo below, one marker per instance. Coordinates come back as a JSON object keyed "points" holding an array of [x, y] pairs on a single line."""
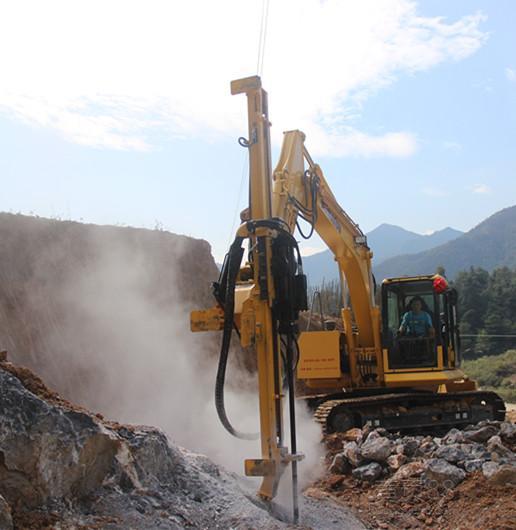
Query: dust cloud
{"points": [[123, 347]]}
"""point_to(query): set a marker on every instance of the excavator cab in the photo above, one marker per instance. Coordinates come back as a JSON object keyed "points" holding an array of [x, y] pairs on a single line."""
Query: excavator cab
{"points": [[429, 341]]}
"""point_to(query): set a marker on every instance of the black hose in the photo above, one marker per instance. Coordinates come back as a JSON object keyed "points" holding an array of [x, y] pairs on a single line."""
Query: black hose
{"points": [[314, 183], [233, 265]]}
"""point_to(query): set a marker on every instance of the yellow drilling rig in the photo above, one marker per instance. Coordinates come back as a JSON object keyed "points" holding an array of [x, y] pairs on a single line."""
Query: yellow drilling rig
{"points": [[384, 368]]}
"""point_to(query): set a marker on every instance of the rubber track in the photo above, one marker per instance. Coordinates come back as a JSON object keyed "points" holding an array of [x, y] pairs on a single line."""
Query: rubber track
{"points": [[325, 409]]}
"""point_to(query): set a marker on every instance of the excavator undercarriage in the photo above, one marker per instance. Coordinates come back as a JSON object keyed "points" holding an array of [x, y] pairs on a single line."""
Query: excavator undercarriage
{"points": [[406, 410]]}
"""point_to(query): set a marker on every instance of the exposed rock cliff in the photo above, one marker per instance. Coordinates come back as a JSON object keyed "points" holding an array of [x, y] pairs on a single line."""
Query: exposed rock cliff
{"points": [[52, 271], [62, 467]]}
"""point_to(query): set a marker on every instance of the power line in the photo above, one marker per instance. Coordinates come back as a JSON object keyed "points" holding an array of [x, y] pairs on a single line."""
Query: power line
{"points": [[263, 37], [239, 196]]}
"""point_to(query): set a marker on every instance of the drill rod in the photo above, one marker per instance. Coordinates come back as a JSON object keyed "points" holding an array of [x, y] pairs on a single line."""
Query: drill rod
{"points": [[293, 441]]}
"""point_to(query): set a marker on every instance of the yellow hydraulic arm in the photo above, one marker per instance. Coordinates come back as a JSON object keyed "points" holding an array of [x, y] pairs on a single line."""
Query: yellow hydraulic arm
{"points": [[299, 191]]}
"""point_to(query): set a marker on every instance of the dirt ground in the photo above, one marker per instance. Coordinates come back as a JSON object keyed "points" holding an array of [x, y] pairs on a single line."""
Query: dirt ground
{"points": [[473, 504]]}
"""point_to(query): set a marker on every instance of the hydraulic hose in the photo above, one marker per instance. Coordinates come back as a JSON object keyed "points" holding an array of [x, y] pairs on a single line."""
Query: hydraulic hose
{"points": [[233, 264]]}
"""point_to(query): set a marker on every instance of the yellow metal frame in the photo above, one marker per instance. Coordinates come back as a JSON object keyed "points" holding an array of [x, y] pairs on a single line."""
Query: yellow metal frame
{"points": [[257, 310], [319, 355]]}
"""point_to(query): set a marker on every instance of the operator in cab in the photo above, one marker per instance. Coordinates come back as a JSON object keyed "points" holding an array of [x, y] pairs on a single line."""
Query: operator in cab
{"points": [[416, 322]]}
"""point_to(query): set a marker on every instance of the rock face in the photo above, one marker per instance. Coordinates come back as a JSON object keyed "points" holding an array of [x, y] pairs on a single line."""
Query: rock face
{"points": [[65, 286], [65, 468], [6, 520], [48, 452]]}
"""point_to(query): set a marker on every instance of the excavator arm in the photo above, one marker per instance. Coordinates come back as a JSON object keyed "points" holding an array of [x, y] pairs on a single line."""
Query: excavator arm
{"points": [[300, 189]]}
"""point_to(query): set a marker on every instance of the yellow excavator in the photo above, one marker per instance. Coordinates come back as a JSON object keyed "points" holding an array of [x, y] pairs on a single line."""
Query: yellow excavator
{"points": [[376, 370]]}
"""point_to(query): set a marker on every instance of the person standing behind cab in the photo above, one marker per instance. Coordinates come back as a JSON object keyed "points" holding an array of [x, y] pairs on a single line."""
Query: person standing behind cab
{"points": [[416, 322]]}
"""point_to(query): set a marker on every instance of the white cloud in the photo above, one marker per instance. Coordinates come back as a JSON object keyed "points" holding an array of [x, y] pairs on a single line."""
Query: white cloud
{"points": [[119, 74], [510, 73], [481, 188]]}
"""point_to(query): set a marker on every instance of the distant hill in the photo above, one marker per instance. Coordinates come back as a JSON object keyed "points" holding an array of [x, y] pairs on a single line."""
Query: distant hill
{"points": [[489, 245], [385, 241]]}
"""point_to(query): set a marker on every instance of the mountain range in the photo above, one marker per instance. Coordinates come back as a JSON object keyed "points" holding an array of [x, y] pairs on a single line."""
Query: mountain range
{"points": [[489, 245], [386, 241], [399, 252]]}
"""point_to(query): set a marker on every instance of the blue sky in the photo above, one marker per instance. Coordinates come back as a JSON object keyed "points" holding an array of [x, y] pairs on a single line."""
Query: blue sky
{"points": [[120, 113]]}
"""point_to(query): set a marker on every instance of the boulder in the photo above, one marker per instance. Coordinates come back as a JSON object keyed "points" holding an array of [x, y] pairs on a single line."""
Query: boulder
{"points": [[352, 453], [368, 473], [473, 465], [340, 465], [504, 475], [411, 469], [409, 446], [443, 473], [353, 435], [450, 453], [372, 435], [476, 450], [383, 432], [453, 436], [481, 434], [376, 449], [489, 469], [508, 431], [495, 445], [395, 461], [426, 448]]}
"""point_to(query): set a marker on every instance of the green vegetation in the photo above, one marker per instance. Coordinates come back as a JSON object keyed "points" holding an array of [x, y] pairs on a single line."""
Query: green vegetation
{"points": [[487, 311], [495, 372]]}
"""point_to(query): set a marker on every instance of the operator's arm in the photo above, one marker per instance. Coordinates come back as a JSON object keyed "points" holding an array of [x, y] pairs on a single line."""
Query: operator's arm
{"points": [[430, 326], [403, 326]]}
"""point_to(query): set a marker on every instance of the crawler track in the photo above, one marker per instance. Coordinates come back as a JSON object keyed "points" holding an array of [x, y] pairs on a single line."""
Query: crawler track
{"points": [[409, 411]]}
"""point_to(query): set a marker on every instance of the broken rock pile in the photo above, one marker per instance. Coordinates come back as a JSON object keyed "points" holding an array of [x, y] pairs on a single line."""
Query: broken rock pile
{"points": [[369, 455]]}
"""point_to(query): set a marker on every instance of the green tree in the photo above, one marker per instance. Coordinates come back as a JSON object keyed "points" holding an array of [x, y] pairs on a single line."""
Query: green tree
{"points": [[472, 287], [500, 317], [487, 310], [440, 270]]}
